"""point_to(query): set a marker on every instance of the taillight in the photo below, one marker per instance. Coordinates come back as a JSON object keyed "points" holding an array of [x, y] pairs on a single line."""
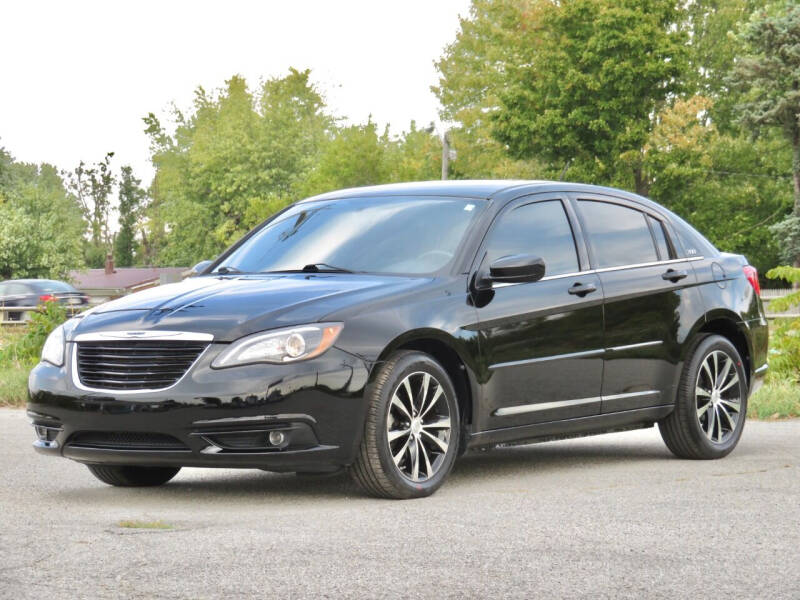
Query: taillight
{"points": [[47, 298], [752, 276]]}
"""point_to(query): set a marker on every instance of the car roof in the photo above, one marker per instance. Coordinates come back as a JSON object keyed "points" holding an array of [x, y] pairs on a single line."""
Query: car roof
{"points": [[35, 281], [477, 189]]}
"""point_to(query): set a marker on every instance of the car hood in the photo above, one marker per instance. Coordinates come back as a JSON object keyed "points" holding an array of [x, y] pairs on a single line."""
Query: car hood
{"points": [[230, 307]]}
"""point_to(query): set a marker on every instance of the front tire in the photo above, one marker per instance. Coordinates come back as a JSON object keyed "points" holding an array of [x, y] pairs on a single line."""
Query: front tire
{"points": [[711, 406], [411, 433], [130, 476]]}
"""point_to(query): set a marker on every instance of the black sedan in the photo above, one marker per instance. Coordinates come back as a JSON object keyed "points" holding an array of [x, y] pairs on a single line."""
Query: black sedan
{"points": [[387, 330], [32, 292]]}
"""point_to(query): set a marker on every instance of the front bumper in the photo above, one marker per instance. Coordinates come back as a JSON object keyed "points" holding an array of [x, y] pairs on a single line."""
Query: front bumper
{"points": [[210, 418]]}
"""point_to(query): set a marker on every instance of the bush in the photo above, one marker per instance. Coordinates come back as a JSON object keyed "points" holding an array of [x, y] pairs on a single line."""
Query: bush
{"points": [[28, 347]]}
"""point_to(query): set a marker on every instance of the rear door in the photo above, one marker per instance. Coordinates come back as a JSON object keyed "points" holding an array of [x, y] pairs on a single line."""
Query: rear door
{"points": [[542, 341], [645, 286]]}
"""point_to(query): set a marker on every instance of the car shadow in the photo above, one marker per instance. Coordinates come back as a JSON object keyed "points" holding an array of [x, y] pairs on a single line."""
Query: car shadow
{"points": [[512, 461], [248, 485]]}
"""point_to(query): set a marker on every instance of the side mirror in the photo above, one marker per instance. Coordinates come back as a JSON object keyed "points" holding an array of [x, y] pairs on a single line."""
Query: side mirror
{"points": [[200, 267], [518, 268]]}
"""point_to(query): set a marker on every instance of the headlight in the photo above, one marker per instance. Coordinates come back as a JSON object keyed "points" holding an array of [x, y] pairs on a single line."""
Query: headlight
{"points": [[280, 346], [53, 349]]}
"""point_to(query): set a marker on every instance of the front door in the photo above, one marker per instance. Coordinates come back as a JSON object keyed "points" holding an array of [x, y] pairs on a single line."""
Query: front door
{"points": [[542, 341]]}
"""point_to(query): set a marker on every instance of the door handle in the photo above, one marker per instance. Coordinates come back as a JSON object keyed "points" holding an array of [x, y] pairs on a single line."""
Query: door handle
{"points": [[581, 289], [673, 275]]}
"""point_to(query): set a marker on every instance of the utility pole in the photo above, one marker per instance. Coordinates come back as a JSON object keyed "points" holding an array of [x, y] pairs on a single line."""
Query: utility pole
{"points": [[448, 154], [445, 155]]}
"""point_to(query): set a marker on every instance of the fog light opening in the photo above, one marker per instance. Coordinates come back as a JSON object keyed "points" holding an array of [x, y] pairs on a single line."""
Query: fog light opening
{"points": [[46, 434], [276, 438]]}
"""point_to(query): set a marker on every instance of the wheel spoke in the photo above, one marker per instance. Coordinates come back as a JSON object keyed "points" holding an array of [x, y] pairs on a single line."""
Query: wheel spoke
{"points": [[703, 409], [426, 381], [707, 369], [396, 402], [725, 370], [441, 443], [719, 424], [409, 393], [428, 468], [698, 391], [399, 456], [710, 423], [733, 404], [716, 368], [414, 451], [398, 433], [436, 395], [727, 416], [734, 380]]}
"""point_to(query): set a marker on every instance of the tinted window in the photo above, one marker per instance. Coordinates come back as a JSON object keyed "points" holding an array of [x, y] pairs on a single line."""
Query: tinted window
{"points": [[618, 235], [693, 242], [375, 235], [541, 229], [660, 236]]}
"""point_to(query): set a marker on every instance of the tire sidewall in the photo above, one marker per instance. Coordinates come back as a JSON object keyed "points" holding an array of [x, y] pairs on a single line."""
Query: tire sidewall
{"points": [[701, 352], [406, 365]]}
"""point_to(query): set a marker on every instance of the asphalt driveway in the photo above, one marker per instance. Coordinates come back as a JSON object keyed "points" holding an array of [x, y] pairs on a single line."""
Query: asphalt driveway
{"points": [[606, 517]]}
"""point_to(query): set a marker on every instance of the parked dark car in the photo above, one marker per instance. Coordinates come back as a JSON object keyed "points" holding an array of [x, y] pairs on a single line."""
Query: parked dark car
{"points": [[386, 330], [32, 292]]}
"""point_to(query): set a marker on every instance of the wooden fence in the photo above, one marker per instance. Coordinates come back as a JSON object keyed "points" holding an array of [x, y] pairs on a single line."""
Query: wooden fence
{"points": [[772, 294]]}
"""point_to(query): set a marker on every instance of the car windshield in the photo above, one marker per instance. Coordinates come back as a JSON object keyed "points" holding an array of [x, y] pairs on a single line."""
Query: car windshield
{"points": [[370, 235]]}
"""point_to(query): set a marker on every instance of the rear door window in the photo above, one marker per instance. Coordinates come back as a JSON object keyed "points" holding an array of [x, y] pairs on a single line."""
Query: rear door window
{"points": [[617, 234]]}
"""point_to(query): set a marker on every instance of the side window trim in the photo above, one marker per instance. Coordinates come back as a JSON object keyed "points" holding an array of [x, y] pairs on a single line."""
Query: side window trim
{"points": [[652, 223]]}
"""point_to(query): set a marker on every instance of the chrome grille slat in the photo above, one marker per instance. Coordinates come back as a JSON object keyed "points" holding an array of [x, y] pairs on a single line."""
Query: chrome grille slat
{"points": [[135, 364]]}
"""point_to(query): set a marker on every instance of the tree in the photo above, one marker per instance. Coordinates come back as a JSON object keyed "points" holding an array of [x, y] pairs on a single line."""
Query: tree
{"points": [[727, 186], [598, 71], [473, 72], [238, 157], [131, 204], [769, 75], [92, 186], [712, 52], [41, 225]]}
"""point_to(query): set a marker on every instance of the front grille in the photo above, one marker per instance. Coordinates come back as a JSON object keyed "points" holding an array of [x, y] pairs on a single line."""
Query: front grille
{"points": [[135, 364], [126, 440]]}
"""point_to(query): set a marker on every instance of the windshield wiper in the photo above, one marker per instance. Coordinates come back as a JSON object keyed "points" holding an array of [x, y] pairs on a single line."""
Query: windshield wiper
{"points": [[229, 271], [315, 268]]}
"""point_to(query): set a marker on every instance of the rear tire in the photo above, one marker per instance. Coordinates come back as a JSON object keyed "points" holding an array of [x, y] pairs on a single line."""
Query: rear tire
{"points": [[130, 476], [411, 434], [710, 409]]}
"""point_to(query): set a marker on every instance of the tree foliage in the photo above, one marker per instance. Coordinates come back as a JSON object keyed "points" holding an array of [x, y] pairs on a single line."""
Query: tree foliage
{"points": [[243, 154], [769, 76], [595, 73], [131, 204], [41, 224], [93, 186]]}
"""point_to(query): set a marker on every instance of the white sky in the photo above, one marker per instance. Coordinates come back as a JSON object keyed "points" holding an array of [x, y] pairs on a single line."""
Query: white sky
{"points": [[76, 77]]}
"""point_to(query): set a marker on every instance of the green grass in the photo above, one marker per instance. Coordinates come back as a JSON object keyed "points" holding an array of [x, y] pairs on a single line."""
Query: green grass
{"points": [[136, 524], [775, 400], [13, 371]]}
